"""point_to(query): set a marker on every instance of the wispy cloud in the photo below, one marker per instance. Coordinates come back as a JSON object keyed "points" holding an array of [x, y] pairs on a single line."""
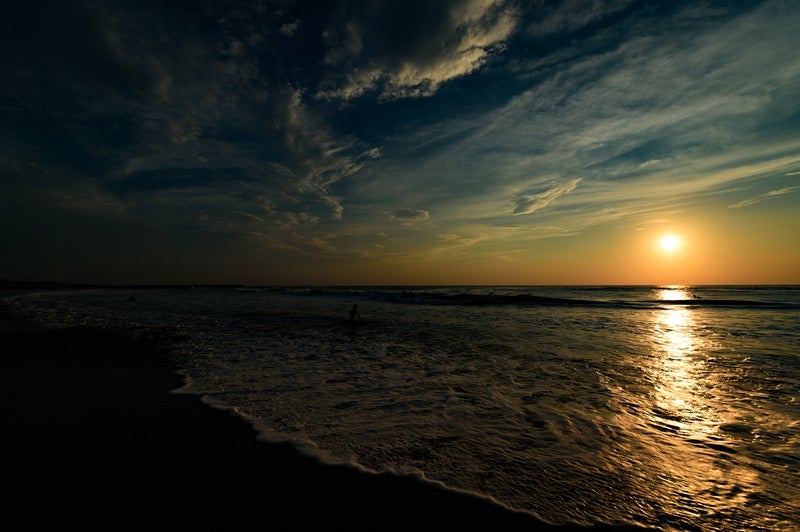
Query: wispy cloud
{"points": [[782, 191], [287, 219], [528, 204], [250, 217], [744, 203], [570, 15], [768, 195], [658, 123], [455, 240], [322, 160]]}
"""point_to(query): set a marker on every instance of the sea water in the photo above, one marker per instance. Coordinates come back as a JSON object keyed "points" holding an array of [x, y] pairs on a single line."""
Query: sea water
{"points": [[674, 407]]}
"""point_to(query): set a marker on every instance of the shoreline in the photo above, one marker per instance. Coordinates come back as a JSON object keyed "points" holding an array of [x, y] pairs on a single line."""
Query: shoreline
{"points": [[90, 426]]}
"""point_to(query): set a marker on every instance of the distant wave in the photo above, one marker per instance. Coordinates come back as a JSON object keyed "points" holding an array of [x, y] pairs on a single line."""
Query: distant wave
{"points": [[534, 300], [726, 303], [493, 299], [599, 297]]}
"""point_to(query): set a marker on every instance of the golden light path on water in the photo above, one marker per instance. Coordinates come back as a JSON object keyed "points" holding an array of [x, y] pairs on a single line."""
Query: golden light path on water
{"points": [[678, 367], [701, 472]]}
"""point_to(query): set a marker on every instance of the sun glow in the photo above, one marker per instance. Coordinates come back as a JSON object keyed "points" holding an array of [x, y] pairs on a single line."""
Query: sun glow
{"points": [[670, 243]]}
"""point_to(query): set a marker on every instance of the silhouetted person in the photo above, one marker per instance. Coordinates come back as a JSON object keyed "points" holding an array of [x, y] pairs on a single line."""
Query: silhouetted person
{"points": [[354, 317]]}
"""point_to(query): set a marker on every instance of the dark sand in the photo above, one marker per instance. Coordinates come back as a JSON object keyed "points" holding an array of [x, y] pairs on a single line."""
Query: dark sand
{"points": [[92, 437]]}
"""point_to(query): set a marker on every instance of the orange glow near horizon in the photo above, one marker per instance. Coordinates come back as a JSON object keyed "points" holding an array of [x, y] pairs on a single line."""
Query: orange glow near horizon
{"points": [[734, 249], [708, 253]]}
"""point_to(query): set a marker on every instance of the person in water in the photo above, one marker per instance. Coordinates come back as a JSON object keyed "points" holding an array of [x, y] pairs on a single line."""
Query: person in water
{"points": [[354, 317]]}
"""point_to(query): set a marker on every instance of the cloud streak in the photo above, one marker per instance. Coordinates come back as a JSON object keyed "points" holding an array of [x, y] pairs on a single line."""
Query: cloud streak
{"points": [[529, 204], [759, 199]]}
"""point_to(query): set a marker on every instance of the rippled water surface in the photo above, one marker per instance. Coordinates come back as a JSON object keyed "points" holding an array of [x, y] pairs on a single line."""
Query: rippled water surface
{"points": [[673, 407]]}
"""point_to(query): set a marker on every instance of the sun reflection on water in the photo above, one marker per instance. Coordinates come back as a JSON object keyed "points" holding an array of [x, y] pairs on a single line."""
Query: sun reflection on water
{"points": [[695, 460], [679, 372], [673, 293]]}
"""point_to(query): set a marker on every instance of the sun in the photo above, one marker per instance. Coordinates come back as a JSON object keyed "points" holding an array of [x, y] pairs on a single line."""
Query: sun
{"points": [[670, 243]]}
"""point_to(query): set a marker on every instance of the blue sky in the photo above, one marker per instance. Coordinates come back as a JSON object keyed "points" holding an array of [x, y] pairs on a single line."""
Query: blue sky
{"points": [[399, 142]]}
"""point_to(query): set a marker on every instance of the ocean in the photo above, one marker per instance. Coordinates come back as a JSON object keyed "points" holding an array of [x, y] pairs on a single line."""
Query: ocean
{"points": [[672, 407]]}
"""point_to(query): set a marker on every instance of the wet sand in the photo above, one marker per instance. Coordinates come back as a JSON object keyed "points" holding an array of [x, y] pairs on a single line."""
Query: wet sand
{"points": [[92, 436]]}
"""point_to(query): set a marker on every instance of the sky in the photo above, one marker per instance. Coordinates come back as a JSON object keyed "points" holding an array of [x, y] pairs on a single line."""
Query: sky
{"points": [[400, 142]]}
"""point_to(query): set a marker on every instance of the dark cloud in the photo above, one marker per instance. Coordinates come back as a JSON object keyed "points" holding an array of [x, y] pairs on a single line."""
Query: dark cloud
{"points": [[410, 215], [88, 50], [138, 100], [289, 28], [407, 49]]}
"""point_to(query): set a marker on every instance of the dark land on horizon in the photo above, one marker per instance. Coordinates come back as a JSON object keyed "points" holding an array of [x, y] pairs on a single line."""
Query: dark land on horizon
{"points": [[92, 436]]}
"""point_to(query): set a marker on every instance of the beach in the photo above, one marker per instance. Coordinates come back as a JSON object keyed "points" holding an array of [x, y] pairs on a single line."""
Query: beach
{"points": [[93, 436], [662, 407]]}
